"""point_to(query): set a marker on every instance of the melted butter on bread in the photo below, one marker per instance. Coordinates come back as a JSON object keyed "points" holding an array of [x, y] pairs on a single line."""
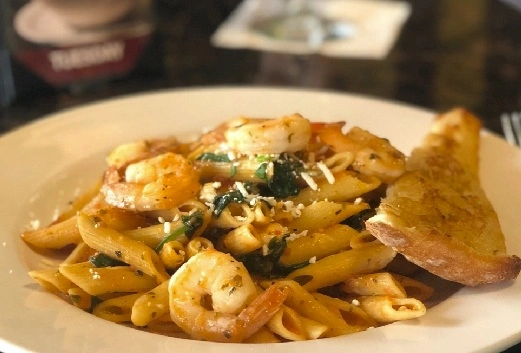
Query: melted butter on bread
{"points": [[438, 216]]}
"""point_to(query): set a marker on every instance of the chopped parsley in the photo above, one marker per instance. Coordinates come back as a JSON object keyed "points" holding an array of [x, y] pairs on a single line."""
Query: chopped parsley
{"points": [[260, 172], [233, 171]]}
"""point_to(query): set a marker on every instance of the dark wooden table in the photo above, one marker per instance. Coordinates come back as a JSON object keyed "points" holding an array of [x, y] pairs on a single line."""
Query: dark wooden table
{"points": [[449, 53]]}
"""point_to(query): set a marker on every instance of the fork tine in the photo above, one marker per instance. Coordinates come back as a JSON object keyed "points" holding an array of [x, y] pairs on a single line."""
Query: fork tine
{"points": [[508, 130], [516, 124]]}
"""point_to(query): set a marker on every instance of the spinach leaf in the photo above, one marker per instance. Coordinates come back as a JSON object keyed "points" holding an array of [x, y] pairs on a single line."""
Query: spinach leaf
{"points": [[357, 221], [260, 172], [221, 201], [283, 183], [190, 225], [269, 265], [263, 158], [214, 157], [102, 260]]}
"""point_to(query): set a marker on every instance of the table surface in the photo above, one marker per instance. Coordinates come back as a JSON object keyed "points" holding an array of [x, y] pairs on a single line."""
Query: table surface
{"points": [[449, 53]]}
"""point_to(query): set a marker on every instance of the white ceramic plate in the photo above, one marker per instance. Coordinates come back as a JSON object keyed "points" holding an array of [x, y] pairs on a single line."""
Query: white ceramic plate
{"points": [[44, 164]]}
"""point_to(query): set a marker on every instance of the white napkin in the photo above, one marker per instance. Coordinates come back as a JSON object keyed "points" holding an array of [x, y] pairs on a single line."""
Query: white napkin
{"points": [[516, 4], [376, 24]]}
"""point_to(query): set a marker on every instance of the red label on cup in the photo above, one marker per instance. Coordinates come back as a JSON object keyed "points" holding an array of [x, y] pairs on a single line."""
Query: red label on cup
{"points": [[65, 65], [70, 41]]}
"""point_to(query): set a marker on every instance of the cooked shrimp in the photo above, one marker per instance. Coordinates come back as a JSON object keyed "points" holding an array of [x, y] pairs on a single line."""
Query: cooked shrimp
{"points": [[135, 151], [374, 156], [231, 313], [289, 133], [156, 183]]}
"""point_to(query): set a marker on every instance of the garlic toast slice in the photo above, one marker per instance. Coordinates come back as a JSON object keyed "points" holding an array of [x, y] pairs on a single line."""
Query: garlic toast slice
{"points": [[437, 214]]}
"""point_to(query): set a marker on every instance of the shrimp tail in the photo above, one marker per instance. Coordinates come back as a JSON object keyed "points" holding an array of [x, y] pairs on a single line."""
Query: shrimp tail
{"points": [[262, 309], [222, 327]]}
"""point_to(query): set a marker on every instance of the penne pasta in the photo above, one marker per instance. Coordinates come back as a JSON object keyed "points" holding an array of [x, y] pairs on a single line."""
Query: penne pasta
{"points": [[55, 236], [335, 268], [234, 216], [413, 288], [287, 324], [352, 314], [290, 325], [313, 329], [382, 283], [115, 244], [52, 280], [117, 309], [318, 245], [348, 186], [242, 240], [197, 245], [263, 335], [79, 298], [262, 214], [303, 302], [363, 238], [97, 281], [152, 235], [385, 309], [324, 214], [150, 306], [81, 253], [172, 254]]}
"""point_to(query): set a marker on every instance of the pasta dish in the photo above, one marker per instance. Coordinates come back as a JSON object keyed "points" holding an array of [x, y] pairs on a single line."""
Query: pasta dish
{"points": [[254, 232]]}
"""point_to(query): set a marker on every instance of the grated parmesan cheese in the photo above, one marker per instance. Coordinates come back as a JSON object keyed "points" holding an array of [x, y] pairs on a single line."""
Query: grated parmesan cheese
{"points": [[294, 236], [327, 173], [231, 156], [95, 274], [241, 188], [295, 210], [210, 206], [208, 191], [309, 180], [167, 227], [254, 198], [313, 260]]}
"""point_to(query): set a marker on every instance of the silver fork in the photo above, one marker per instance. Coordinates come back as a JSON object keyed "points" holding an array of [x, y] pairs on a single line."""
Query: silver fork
{"points": [[511, 124]]}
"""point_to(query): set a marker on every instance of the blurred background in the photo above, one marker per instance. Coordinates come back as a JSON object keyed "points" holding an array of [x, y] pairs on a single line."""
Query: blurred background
{"points": [[445, 53]]}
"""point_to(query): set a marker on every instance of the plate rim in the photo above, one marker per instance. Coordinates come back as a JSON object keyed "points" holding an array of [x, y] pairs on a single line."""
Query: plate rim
{"points": [[63, 114]]}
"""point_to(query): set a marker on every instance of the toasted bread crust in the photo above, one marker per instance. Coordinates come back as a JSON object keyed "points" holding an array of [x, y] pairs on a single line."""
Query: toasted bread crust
{"points": [[446, 258], [437, 214]]}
